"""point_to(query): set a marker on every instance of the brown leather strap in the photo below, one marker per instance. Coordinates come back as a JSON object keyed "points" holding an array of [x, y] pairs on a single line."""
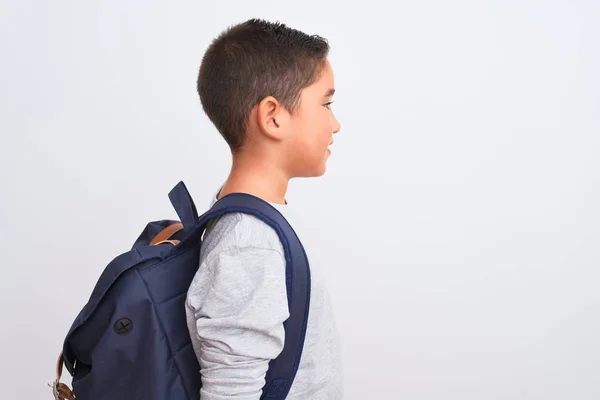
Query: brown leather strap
{"points": [[59, 366], [60, 390], [166, 233], [64, 393]]}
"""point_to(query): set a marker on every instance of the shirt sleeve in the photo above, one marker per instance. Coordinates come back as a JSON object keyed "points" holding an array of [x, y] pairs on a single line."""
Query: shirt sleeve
{"points": [[239, 304]]}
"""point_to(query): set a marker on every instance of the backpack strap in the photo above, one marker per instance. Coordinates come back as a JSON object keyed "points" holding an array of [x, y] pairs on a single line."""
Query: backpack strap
{"points": [[282, 370]]}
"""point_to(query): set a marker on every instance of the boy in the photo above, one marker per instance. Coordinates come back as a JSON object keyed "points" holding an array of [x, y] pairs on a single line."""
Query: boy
{"points": [[268, 89]]}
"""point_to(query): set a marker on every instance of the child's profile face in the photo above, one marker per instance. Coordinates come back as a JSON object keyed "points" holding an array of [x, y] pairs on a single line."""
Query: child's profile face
{"points": [[313, 126]]}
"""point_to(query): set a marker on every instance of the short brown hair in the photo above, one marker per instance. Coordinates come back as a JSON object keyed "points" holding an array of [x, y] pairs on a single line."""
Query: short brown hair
{"points": [[250, 61]]}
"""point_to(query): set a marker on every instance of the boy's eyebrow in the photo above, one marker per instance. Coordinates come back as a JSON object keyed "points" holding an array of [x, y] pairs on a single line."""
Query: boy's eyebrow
{"points": [[329, 93]]}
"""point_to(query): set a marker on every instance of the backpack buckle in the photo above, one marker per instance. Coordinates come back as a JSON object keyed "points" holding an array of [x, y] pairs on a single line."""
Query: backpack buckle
{"points": [[54, 387]]}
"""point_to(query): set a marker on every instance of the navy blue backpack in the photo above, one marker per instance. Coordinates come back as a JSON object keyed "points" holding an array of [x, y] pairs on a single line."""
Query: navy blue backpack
{"points": [[131, 341]]}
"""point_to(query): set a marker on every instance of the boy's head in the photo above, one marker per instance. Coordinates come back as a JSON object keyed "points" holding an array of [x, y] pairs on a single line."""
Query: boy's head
{"points": [[268, 88]]}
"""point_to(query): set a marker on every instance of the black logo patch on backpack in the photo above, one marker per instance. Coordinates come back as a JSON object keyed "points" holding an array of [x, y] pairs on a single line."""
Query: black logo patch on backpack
{"points": [[123, 326]]}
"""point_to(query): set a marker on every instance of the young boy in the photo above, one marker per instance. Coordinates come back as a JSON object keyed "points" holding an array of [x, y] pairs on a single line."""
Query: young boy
{"points": [[268, 90]]}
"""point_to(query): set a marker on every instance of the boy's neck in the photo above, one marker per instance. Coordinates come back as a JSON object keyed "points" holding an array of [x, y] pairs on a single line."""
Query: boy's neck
{"points": [[256, 177]]}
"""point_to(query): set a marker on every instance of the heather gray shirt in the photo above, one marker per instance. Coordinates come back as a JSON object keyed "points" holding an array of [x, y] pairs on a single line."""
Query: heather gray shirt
{"points": [[236, 307]]}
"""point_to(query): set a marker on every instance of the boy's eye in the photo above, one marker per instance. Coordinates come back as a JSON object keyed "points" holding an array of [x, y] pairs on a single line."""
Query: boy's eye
{"points": [[328, 104]]}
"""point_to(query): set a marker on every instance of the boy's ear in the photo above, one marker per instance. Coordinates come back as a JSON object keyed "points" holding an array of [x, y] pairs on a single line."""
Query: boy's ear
{"points": [[272, 118]]}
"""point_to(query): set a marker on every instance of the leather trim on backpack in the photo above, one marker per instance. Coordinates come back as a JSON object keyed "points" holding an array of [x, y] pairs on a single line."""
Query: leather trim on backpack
{"points": [[166, 234], [60, 390]]}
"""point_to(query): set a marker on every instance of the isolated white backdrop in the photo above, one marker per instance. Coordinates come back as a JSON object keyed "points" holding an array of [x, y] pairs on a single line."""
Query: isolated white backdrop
{"points": [[459, 220]]}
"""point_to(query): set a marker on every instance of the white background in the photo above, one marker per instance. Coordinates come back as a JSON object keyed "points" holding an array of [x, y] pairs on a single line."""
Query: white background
{"points": [[459, 219]]}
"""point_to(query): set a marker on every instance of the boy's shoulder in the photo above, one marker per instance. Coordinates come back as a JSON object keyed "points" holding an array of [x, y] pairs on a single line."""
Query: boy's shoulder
{"points": [[239, 231]]}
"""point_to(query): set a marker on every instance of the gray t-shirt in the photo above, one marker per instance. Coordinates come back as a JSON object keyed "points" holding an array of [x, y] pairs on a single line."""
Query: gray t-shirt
{"points": [[236, 306]]}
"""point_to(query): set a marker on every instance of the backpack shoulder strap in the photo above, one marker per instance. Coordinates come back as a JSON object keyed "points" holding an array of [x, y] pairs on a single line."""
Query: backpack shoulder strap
{"points": [[283, 369]]}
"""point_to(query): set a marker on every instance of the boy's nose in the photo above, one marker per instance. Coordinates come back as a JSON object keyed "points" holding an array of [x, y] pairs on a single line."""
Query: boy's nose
{"points": [[336, 125]]}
